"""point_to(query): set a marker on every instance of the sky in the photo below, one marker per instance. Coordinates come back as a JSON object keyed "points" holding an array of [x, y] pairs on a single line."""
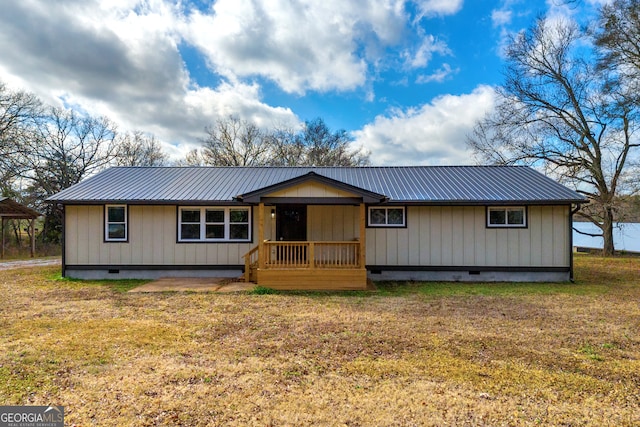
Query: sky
{"points": [[406, 79]]}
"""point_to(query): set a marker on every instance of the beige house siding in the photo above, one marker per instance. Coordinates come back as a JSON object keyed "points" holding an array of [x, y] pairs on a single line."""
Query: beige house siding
{"points": [[333, 223], [435, 236], [311, 189], [458, 236], [152, 240]]}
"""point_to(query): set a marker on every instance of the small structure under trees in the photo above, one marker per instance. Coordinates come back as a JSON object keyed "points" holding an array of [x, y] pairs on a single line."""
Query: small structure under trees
{"points": [[10, 209]]}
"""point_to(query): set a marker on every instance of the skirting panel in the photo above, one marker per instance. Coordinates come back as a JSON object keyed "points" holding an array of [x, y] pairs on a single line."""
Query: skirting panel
{"points": [[149, 272], [469, 276]]}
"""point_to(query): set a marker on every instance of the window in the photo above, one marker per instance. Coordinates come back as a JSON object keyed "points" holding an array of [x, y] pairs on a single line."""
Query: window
{"points": [[515, 216], [387, 217], [115, 228], [214, 224]]}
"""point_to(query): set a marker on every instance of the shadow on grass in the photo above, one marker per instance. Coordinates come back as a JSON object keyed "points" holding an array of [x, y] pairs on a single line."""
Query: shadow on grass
{"points": [[445, 289], [486, 289], [119, 285]]}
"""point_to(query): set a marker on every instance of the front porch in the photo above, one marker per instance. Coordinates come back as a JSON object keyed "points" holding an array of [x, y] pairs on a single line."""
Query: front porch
{"points": [[326, 265], [306, 265]]}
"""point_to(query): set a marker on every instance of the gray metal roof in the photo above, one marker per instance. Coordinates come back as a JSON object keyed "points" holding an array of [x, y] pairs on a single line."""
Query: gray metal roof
{"points": [[410, 184]]}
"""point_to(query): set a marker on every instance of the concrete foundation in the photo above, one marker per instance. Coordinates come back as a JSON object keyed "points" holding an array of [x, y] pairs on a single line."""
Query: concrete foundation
{"points": [[470, 276], [147, 274]]}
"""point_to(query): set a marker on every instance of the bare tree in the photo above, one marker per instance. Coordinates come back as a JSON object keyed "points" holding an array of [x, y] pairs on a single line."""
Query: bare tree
{"points": [[235, 142], [316, 145], [139, 149], [19, 112], [288, 148], [61, 151], [558, 110], [618, 39], [192, 158]]}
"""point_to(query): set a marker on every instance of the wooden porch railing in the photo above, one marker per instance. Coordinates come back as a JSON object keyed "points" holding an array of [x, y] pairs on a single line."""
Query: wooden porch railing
{"points": [[302, 255], [250, 264], [312, 255]]}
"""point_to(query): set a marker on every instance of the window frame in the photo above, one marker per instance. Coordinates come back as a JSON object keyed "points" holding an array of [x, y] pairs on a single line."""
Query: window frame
{"points": [[108, 239], [506, 209], [386, 224], [203, 224]]}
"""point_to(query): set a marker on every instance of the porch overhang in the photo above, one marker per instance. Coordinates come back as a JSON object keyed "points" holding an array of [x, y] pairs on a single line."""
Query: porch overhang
{"points": [[358, 195]]}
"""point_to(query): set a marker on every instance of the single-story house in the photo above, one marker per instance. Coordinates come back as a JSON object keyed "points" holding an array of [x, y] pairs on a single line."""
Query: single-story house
{"points": [[320, 227]]}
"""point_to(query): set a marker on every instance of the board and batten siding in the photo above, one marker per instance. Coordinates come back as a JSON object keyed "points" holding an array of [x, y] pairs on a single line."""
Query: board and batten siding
{"points": [[311, 189], [435, 236], [458, 236], [333, 223], [152, 232]]}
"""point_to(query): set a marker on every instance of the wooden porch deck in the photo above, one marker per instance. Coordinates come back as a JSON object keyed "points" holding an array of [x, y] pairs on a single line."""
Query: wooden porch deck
{"points": [[307, 265]]}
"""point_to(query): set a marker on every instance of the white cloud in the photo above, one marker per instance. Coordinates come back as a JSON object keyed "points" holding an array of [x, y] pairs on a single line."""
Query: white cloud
{"points": [[440, 75], [301, 45], [120, 60], [425, 51], [501, 17], [439, 7], [433, 134]]}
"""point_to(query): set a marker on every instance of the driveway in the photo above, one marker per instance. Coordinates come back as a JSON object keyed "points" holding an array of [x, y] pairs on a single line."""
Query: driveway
{"points": [[194, 284], [36, 262]]}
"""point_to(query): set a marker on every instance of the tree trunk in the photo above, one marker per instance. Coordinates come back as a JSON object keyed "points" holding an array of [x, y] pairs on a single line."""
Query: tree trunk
{"points": [[607, 233], [16, 231], [52, 226]]}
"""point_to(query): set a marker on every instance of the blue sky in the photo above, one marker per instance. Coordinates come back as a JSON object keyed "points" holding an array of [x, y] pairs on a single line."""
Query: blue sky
{"points": [[407, 79]]}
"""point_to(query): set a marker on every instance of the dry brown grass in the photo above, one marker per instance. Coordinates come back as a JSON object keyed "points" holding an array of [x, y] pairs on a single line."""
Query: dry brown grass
{"points": [[513, 355]]}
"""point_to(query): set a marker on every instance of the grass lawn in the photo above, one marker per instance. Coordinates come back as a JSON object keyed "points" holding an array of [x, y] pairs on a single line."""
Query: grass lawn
{"points": [[409, 354]]}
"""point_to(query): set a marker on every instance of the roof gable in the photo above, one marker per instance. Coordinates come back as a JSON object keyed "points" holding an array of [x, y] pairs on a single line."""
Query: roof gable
{"points": [[331, 187]]}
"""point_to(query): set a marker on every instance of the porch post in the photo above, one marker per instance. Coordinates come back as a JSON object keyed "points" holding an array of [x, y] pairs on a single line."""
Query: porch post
{"points": [[261, 235], [2, 231], [363, 231], [33, 237]]}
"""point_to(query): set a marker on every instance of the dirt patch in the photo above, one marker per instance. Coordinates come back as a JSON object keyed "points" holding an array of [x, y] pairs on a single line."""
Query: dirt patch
{"points": [[194, 284]]}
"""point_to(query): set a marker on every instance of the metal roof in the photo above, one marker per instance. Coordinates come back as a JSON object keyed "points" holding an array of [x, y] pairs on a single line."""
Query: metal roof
{"points": [[408, 184], [11, 209]]}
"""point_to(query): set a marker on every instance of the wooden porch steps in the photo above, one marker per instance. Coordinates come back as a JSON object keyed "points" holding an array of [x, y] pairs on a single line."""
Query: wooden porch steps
{"points": [[320, 279]]}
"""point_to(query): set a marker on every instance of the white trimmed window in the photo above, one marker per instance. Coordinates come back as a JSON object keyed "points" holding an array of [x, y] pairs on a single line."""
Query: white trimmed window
{"points": [[115, 225], [387, 216], [509, 216], [214, 224]]}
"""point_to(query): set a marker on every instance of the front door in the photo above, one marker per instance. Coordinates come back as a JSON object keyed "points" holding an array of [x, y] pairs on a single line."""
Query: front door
{"points": [[291, 222]]}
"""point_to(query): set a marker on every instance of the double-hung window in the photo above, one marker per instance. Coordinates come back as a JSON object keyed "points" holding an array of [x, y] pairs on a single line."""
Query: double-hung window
{"points": [[115, 225], [214, 224], [507, 216], [387, 216]]}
